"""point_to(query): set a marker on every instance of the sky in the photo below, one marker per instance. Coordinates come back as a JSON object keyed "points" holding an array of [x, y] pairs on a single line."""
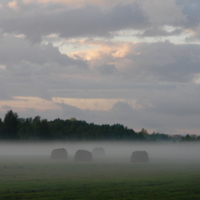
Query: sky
{"points": [[132, 62]]}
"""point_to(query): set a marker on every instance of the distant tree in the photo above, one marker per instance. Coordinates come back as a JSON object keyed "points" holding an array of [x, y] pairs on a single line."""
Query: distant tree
{"points": [[26, 129], [44, 132], [11, 125], [36, 125], [187, 138], [158, 137], [57, 129], [140, 136], [36, 120], [73, 119], [1, 129], [144, 132]]}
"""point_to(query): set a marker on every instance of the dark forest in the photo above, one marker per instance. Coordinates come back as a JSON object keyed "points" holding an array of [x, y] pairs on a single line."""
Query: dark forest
{"points": [[13, 127]]}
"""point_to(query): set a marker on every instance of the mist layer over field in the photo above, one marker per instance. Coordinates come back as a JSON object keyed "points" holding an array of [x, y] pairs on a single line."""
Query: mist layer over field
{"points": [[28, 172], [186, 151]]}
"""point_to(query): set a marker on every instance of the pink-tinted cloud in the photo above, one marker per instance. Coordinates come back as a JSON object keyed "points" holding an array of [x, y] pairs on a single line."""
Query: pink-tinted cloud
{"points": [[24, 103], [80, 3], [94, 104], [104, 52], [13, 5]]}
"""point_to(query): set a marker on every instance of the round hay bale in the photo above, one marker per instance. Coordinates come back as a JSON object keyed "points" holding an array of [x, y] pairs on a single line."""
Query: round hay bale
{"points": [[83, 156], [59, 154], [98, 152], [140, 157]]}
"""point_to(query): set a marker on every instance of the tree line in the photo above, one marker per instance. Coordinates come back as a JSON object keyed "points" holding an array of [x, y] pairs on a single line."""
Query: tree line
{"points": [[14, 128]]}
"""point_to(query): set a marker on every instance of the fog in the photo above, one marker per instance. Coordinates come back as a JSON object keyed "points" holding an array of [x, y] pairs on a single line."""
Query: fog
{"points": [[186, 151]]}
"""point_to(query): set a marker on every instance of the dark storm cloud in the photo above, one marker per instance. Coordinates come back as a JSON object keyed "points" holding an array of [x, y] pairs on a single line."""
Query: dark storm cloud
{"points": [[83, 22]]}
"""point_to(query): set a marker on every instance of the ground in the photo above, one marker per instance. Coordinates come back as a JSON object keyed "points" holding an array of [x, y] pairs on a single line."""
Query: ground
{"points": [[39, 177]]}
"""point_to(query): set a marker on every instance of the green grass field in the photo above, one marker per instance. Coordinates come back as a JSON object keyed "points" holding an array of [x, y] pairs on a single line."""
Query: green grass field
{"points": [[39, 177]]}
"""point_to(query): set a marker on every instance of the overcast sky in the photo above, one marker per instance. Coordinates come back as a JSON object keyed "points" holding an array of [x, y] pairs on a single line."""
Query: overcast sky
{"points": [[133, 62]]}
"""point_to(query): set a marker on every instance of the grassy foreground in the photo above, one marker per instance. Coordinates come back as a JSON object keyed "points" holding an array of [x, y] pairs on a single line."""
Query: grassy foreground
{"points": [[40, 177]]}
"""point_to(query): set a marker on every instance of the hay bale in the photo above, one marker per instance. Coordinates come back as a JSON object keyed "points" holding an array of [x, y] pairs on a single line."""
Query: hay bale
{"points": [[140, 157], [83, 156], [59, 154], [98, 152]]}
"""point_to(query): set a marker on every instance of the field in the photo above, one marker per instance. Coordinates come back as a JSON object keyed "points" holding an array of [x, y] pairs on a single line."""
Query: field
{"points": [[39, 177]]}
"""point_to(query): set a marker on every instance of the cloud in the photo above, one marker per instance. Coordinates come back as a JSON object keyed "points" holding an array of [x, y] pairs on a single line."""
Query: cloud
{"points": [[162, 12], [31, 69], [15, 50], [105, 51], [84, 22], [120, 69], [182, 103], [122, 113], [87, 18], [13, 5], [24, 103], [80, 3], [159, 61], [169, 62], [191, 8], [107, 69], [157, 31]]}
